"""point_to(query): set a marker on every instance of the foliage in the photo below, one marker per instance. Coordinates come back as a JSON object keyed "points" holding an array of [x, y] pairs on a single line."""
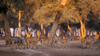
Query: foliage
{"points": [[13, 21], [26, 7], [46, 13]]}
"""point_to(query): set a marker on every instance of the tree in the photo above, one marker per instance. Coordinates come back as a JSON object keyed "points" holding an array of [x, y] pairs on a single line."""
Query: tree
{"points": [[3, 10], [19, 24], [74, 12], [14, 6], [83, 11], [27, 7], [93, 5], [50, 13]]}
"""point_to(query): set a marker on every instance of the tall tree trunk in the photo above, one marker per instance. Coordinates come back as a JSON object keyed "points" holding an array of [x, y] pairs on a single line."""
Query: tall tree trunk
{"points": [[7, 30], [53, 30], [55, 24], [81, 34], [84, 35], [83, 30], [71, 31], [42, 32], [19, 24]]}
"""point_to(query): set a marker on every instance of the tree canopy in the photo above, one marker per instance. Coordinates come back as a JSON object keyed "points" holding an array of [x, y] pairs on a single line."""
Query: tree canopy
{"points": [[46, 14]]}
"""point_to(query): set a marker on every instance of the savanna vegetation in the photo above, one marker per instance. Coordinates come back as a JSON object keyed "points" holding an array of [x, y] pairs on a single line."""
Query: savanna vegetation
{"points": [[43, 13]]}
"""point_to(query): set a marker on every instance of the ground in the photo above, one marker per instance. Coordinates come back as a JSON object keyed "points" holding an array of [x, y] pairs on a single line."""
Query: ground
{"points": [[73, 49]]}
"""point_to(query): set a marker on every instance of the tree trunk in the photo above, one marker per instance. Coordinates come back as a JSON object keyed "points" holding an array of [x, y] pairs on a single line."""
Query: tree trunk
{"points": [[28, 35], [55, 24], [7, 30], [54, 29], [89, 32], [14, 32], [42, 29], [47, 31], [84, 35], [63, 33], [97, 34], [19, 24], [38, 33], [81, 34], [83, 30], [42, 32], [71, 31]]}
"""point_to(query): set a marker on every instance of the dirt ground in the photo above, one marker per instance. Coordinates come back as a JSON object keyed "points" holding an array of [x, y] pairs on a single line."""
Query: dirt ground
{"points": [[73, 49]]}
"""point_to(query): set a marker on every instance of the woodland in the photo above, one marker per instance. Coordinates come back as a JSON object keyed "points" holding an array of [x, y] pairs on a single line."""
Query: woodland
{"points": [[50, 13]]}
